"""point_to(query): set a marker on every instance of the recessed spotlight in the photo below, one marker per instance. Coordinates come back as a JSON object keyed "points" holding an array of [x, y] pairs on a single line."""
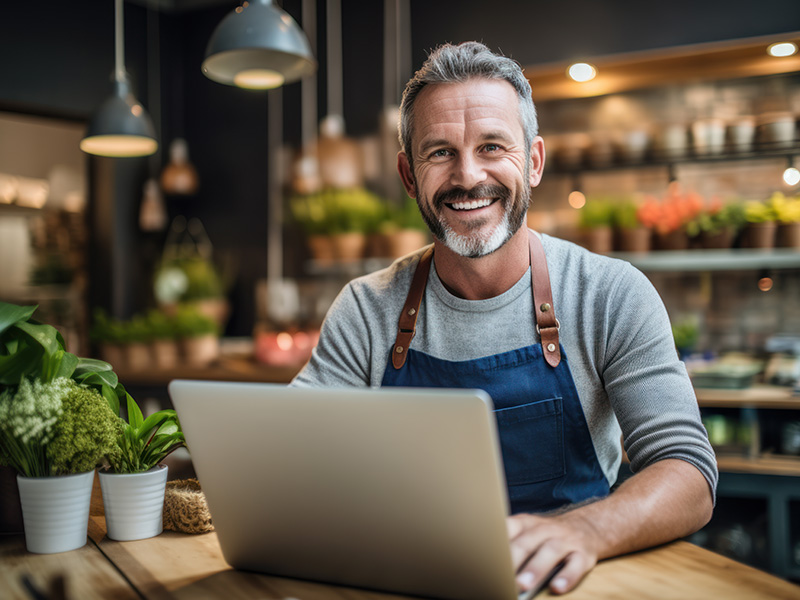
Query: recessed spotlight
{"points": [[782, 49], [582, 72], [791, 176]]}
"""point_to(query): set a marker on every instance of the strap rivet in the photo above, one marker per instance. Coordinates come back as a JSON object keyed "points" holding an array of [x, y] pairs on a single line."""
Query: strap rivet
{"points": [[551, 347], [412, 311], [399, 349], [545, 307]]}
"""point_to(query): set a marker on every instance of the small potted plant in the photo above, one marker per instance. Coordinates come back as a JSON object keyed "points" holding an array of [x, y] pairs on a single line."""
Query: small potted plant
{"points": [[404, 230], [58, 419], [632, 234], [137, 343], [787, 213], [717, 226], [199, 336], [596, 220], [109, 336], [308, 211], [761, 225], [135, 482], [163, 342], [671, 215], [350, 214]]}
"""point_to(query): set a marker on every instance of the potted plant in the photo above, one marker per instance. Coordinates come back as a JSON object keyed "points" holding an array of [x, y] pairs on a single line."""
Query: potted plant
{"points": [[137, 335], [350, 215], [717, 226], [787, 213], [109, 336], [199, 335], [135, 481], [596, 220], [308, 211], [670, 216], [404, 230], [163, 342], [632, 234], [761, 225], [58, 420]]}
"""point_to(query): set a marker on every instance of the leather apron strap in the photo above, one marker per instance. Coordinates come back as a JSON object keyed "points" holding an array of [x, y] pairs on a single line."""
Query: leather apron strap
{"points": [[547, 325], [407, 325]]}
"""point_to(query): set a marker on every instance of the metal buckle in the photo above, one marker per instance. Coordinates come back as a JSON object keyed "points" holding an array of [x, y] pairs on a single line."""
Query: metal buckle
{"points": [[558, 327]]}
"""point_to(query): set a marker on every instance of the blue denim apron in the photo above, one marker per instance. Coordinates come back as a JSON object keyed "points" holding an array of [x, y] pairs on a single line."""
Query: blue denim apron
{"points": [[548, 455]]}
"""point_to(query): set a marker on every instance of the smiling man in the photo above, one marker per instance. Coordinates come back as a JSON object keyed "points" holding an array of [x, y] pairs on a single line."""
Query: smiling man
{"points": [[488, 291]]}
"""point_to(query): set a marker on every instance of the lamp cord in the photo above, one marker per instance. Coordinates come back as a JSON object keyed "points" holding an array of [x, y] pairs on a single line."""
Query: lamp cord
{"points": [[119, 42]]}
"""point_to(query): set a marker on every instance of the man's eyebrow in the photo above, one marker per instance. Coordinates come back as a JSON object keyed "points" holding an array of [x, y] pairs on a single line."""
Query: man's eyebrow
{"points": [[432, 143], [498, 134]]}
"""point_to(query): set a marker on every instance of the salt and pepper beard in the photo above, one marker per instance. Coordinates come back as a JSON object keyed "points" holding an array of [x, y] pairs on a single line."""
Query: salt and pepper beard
{"points": [[477, 245]]}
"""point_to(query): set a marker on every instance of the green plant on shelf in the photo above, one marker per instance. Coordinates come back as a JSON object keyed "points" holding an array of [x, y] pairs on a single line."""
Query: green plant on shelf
{"points": [[756, 211], [333, 211], [786, 210], [404, 216], [717, 218], [597, 212], [191, 323]]}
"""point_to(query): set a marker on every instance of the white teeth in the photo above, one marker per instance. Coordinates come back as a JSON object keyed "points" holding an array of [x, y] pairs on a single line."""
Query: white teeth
{"points": [[469, 205]]}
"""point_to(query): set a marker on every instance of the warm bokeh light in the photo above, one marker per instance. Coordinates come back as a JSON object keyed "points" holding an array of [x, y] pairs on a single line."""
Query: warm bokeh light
{"points": [[782, 49], [119, 145], [791, 176], [582, 72], [765, 284], [576, 199], [258, 79], [284, 341]]}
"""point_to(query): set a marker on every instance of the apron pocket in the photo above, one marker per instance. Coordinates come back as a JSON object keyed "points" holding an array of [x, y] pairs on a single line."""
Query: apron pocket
{"points": [[532, 441]]}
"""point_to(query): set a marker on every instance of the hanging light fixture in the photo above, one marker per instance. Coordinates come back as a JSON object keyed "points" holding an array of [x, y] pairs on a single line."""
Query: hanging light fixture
{"points": [[121, 127], [258, 46]]}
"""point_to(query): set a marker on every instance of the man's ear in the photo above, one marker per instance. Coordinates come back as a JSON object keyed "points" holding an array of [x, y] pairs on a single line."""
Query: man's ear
{"points": [[537, 161], [406, 176]]}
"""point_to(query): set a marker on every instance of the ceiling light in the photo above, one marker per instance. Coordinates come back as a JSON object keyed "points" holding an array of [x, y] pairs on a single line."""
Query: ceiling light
{"points": [[791, 176], [782, 49], [120, 127], [258, 46], [582, 72]]}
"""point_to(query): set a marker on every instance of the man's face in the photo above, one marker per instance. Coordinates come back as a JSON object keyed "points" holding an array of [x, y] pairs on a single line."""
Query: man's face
{"points": [[472, 172]]}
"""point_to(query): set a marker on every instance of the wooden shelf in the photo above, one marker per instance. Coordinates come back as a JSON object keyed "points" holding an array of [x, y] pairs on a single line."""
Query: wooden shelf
{"points": [[712, 260], [758, 396], [762, 465], [699, 62]]}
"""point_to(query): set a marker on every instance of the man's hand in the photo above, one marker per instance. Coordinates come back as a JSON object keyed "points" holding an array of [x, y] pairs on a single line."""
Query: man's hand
{"points": [[539, 544]]}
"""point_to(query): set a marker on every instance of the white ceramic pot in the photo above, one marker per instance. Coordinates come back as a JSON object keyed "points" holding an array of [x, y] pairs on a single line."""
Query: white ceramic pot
{"points": [[55, 511], [134, 503]]}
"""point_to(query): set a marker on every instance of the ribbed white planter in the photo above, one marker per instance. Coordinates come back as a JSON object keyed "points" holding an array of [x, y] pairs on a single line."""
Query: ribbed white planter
{"points": [[134, 503], [55, 511]]}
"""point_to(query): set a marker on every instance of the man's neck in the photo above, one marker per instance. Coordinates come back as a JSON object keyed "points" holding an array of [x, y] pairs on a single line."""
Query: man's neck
{"points": [[485, 277]]}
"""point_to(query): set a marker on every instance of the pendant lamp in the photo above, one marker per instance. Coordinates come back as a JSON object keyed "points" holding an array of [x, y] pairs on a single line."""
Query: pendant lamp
{"points": [[120, 127], [258, 46]]}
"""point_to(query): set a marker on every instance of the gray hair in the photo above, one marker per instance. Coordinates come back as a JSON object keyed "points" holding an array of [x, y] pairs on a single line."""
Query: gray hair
{"points": [[456, 64]]}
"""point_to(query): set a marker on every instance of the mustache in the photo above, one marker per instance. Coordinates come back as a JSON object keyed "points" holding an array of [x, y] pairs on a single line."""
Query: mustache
{"points": [[459, 194]]}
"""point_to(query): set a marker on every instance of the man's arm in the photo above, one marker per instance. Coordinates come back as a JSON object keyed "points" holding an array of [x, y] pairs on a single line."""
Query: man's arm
{"points": [[667, 500]]}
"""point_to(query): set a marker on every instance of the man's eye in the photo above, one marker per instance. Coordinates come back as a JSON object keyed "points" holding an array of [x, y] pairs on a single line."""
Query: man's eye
{"points": [[440, 153], [492, 148]]}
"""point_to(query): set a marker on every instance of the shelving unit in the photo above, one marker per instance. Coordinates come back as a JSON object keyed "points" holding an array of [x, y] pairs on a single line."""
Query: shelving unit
{"points": [[759, 474]]}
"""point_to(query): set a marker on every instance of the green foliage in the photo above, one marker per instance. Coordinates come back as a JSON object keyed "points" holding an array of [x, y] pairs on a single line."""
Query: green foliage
{"points": [[105, 329], [685, 332], [33, 350], [406, 216], [334, 211], [190, 322], [86, 432], [161, 326], [143, 443], [787, 210], [55, 428], [597, 212], [626, 215], [730, 215], [759, 212]]}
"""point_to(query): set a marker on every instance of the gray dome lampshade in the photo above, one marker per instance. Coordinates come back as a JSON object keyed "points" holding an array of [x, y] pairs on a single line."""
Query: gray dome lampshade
{"points": [[120, 127], [258, 46]]}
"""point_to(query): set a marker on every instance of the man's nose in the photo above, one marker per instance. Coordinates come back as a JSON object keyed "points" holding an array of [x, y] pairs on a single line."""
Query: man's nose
{"points": [[467, 171]]}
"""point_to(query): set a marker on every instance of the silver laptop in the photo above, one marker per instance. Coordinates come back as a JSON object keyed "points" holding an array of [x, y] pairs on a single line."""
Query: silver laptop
{"points": [[398, 489]]}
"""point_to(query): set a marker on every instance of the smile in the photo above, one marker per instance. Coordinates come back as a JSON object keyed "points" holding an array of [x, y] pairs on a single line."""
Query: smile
{"points": [[471, 204]]}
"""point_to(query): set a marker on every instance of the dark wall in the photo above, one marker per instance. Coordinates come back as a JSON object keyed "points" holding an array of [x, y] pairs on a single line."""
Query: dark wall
{"points": [[57, 58]]}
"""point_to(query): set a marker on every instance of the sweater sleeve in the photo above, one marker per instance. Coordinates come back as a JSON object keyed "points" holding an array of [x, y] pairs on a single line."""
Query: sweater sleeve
{"points": [[647, 384], [341, 358]]}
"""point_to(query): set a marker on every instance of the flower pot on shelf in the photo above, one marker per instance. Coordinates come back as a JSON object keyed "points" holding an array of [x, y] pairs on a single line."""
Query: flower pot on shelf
{"points": [[634, 239], [55, 511], [321, 248], [134, 503], [137, 356], [788, 235], [672, 240], [201, 351], [599, 239], [165, 354], [404, 241], [718, 240], [349, 246], [759, 235]]}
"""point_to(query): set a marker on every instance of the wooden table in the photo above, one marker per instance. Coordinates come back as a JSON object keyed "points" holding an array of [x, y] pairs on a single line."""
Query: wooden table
{"points": [[175, 565]]}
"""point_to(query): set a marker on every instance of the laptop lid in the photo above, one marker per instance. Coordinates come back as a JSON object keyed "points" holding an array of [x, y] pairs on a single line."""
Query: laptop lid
{"points": [[395, 489]]}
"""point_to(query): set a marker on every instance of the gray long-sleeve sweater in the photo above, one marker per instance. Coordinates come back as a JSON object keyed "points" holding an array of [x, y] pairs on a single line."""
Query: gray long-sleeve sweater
{"points": [[614, 330]]}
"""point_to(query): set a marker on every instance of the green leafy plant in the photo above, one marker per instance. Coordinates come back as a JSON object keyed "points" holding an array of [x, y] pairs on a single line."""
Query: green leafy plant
{"points": [[333, 211], [190, 322], [33, 350], [787, 210], [626, 215], [759, 212], [143, 443], [717, 218], [406, 216], [161, 325], [106, 330], [597, 212], [57, 427]]}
